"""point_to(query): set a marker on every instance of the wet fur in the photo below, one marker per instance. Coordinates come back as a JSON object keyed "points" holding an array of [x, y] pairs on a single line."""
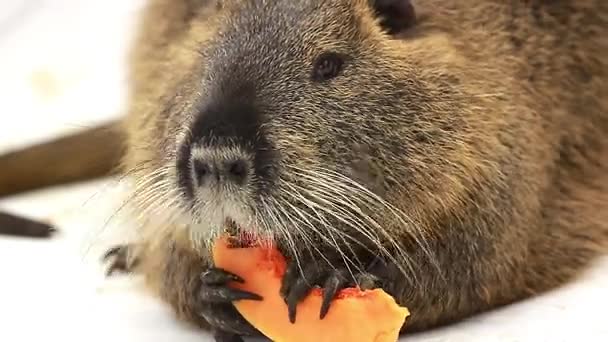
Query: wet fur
{"points": [[496, 153]]}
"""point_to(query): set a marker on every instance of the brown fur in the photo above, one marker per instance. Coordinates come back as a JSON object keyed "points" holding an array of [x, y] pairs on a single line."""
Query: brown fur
{"points": [[501, 107]]}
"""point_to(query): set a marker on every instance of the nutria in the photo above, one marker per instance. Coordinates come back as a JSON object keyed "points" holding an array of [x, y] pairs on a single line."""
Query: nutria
{"points": [[453, 153]]}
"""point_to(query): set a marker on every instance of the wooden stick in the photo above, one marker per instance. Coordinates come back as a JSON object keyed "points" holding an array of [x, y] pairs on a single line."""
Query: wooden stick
{"points": [[86, 155]]}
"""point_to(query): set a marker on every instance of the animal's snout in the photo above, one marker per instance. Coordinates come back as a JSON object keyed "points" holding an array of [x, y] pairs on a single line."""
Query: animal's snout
{"points": [[226, 148], [214, 168], [219, 167], [220, 152]]}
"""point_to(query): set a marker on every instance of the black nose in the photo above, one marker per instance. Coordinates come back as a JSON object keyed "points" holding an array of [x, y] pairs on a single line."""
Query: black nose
{"points": [[214, 169], [227, 147]]}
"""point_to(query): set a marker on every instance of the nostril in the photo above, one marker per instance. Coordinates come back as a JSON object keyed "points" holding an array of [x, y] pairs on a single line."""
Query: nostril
{"points": [[238, 170], [202, 171]]}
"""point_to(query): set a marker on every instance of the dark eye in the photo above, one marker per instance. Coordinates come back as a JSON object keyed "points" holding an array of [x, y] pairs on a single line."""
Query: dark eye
{"points": [[327, 66]]}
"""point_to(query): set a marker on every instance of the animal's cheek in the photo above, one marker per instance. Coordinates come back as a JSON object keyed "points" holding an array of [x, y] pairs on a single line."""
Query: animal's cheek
{"points": [[365, 171]]}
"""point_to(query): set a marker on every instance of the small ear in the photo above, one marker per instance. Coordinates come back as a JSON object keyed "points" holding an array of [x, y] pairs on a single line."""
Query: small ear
{"points": [[395, 15]]}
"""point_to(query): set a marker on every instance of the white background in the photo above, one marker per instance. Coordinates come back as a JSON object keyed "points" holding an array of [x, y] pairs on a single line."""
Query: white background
{"points": [[61, 69]]}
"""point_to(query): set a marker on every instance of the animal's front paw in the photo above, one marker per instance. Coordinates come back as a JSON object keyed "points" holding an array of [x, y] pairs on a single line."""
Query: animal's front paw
{"points": [[121, 258], [216, 298], [299, 281]]}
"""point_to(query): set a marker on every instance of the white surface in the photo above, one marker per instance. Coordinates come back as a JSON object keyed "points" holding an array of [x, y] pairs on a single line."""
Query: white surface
{"points": [[54, 291]]}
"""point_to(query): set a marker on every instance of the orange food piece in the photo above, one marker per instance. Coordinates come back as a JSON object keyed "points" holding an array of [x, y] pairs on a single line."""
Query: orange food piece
{"points": [[354, 316]]}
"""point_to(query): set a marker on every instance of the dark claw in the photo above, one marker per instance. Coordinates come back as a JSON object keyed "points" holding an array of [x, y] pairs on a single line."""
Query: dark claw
{"points": [[216, 299], [218, 276], [226, 294], [214, 287], [298, 282], [297, 292], [332, 285], [290, 277], [121, 261], [112, 252]]}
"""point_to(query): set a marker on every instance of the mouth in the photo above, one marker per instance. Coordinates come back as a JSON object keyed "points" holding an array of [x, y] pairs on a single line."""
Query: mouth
{"points": [[239, 236]]}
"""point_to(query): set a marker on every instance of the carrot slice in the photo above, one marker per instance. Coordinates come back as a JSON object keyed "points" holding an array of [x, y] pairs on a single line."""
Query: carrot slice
{"points": [[354, 315]]}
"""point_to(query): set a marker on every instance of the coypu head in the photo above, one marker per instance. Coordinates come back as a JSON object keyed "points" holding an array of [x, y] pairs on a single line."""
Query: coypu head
{"points": [[334, 121]]}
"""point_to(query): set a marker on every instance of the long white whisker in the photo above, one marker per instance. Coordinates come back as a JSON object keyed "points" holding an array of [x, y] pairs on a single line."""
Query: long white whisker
{"points": [[287, 235], [311, 205], [299, 231], [342, 180], [342, 205]]}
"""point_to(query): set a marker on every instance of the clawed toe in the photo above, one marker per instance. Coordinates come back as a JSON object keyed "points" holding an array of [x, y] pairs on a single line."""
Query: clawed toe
{"points": [[334, 283], [215, 289], [225, 295], [297, 285], [297, 292], [216, 298], [120, 259], [218, 276]]}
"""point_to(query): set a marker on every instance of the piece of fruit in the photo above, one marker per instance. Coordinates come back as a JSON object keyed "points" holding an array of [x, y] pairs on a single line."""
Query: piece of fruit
{"points": [[354, 316]]}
